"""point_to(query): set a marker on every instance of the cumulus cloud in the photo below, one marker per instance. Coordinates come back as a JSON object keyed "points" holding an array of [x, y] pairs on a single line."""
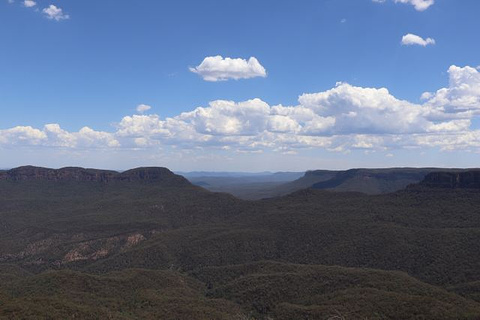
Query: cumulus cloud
{"points": [[365, 110], [460, 100], [141, 126], [419, 5], [142, 108], [412, 39], [221, 69], [52, 135], [229, 118], [22, 135], [28, 3], [340, 119], [55, 13]]}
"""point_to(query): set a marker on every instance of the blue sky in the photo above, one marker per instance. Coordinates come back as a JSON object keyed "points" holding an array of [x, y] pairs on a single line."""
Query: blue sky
{"points": [[92, 63]]}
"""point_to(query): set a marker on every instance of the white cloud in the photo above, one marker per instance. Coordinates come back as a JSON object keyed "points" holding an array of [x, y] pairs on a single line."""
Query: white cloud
{"points": [[229, 118], [419, 5], [449, 142], [142, 108], [365, 110], [55, 13], [426, 96], [141, 126], [412, 39], [52, 135], [343, 118], [221, 69], [89, 137], [28, 3], [461, 100], [22, 135]]}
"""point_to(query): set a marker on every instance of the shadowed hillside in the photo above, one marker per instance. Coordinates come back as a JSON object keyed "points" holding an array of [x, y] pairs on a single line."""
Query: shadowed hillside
{"points": [[453, 180], [244, 186], [368, 181], [51, 219], [83, 242]]}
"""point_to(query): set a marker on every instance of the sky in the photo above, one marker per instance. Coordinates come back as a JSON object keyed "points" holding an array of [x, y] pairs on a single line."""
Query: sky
{"points": [[240, 85]]}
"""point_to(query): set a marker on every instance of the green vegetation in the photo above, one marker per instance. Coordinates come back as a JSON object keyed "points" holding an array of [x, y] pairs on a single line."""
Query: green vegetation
{"points": [[130, 294], [149, 245], [286, 291], [368, 181]]}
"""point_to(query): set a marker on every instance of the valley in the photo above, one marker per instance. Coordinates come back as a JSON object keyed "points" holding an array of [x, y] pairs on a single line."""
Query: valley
{"points": [[128, 245]]}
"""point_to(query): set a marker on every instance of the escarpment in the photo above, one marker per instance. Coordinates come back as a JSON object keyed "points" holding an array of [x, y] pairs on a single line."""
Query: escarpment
{"points": [[150, 174], [453, 180]]}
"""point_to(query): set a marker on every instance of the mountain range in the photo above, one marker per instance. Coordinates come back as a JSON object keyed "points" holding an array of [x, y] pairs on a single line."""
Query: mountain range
{"points": [[368, 181], [148, 244]]}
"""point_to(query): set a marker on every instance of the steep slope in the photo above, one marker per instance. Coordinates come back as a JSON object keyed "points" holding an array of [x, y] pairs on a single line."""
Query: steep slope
{"points": [[373, 181], [469, 179], [74, 174], [30, 173], [248, 187], [307, 181], [50, 218], [369, 181]]}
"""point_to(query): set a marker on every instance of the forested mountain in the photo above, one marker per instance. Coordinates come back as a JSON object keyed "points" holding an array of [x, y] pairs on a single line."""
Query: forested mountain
{"points": [[368, 181], [147, 244]]}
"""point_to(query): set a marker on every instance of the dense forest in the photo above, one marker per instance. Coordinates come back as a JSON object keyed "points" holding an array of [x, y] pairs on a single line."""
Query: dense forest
{"points": [[147, 244]]}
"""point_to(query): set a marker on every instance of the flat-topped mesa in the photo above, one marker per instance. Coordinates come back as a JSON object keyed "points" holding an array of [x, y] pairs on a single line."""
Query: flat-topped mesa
{"points": [[153, 174], [453, 180], [31, 173]]}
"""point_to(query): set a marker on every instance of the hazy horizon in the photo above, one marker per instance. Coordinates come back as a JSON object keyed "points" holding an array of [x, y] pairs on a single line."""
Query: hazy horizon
{"points": [[246, 173]]}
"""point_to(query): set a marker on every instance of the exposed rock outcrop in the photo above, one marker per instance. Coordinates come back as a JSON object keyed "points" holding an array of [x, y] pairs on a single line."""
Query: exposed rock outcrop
{"points": [[151, 174], [66, 174], [453, 180]]}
